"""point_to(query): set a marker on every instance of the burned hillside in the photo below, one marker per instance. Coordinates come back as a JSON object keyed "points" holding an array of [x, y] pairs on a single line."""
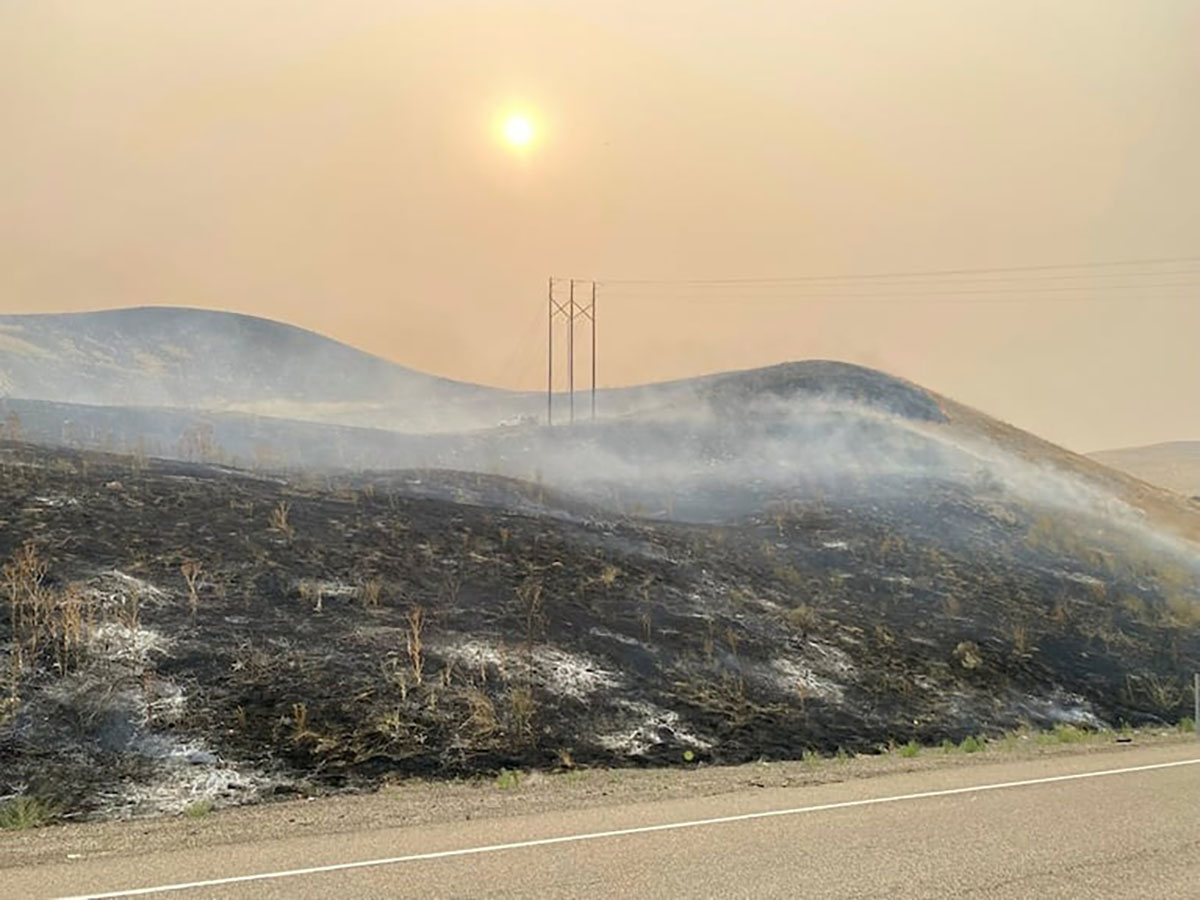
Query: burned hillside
{"points": [[175, 631]]}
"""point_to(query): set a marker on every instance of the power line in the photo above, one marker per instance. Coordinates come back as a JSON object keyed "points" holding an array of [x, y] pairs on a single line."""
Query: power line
{"points": [[934, 282], [826, 295], [907, 274], [521, 350]]}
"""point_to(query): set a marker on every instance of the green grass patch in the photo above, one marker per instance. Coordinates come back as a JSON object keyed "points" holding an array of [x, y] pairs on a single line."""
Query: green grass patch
{"points": [[1187, 726], [1063, 734], [1011, 741], [911, 749], [508, 779], [25, 812], [972, 744], [199, 809], [1069, 734]]}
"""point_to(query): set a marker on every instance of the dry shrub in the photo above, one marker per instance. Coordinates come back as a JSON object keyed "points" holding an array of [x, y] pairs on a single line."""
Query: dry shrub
{"points": [[521, 709], [481, 722], [24, 575], [300, 729], [529, 593], [72, 619], [803, 618], [311, 594], [44, 622], [191, 571], [369, 591], [967, 655], [1022, 645], [278, 521], [413, 642], [609, 574]]}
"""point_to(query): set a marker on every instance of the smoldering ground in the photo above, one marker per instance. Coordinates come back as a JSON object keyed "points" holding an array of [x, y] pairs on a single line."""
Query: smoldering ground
{"points": [[358, 627], [812, 556]]}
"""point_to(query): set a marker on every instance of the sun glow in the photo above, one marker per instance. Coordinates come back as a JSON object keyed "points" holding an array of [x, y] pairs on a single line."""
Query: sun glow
{"points": [[518, 130]]}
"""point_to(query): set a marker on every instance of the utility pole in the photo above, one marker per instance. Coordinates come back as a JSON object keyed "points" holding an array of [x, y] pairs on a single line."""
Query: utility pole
{"points": [[571, 353], [592, 316], [550, 354], [571, 310]]}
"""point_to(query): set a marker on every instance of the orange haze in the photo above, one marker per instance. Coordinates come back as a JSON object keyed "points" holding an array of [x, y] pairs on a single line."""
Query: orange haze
{"points": [[335, 165]]}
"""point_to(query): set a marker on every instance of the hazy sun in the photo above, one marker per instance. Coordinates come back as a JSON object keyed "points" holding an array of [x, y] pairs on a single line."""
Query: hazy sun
{"points": [[518, 130]]}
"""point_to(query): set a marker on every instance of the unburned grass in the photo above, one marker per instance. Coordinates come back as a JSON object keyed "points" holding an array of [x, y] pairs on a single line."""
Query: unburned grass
{"points": [[25, 812]]}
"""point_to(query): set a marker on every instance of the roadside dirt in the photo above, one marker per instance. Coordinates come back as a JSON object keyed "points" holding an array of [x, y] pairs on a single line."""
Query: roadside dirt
{"points": [[428, 802]]}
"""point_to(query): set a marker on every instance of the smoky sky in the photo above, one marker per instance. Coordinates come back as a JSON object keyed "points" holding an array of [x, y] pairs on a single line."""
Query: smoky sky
{"points": [[335, 165]]}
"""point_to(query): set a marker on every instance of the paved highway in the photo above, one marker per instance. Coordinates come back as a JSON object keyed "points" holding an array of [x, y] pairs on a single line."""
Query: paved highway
{"points": [[1099, 825]]}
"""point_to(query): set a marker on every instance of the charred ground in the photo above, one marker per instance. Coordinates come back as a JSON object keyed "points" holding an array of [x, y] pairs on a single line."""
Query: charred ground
{"points": [[342, 629]]}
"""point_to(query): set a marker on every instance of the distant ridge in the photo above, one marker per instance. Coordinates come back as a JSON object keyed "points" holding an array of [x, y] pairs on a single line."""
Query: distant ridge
{"points": [[221, 362], [1174, 465]]}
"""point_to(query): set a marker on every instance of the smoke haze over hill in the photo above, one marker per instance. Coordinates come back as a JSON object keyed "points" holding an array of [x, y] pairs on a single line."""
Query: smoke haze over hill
{"points": [[813, 554], [344, 175], [185, 383]]}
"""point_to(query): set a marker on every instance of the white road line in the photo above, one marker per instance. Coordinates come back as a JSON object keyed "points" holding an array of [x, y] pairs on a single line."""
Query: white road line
{"points": [[621, 832]]}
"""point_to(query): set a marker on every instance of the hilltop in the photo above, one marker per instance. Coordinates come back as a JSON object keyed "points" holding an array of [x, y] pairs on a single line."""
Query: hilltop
{"points": [[178, 363], [194, 359]]}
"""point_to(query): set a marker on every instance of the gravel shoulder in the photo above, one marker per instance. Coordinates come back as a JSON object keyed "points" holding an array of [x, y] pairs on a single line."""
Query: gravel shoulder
{"points": [[414, 802]]}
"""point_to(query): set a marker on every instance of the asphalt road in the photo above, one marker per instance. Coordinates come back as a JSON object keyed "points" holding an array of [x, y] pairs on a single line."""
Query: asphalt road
{"points": [[1100, 825]]}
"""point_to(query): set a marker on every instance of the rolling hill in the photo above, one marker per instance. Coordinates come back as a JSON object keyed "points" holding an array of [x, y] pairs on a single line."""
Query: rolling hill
{"points": [[174, 383], [184, 360], [1174, 465], [194, 359], [812, 555]]}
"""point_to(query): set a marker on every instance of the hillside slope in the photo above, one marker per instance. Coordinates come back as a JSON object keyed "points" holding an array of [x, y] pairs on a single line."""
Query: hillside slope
{"points": [[339, 631], [227, 363], [811, 555], [703, 449], [1174, 465], [202, 359]]}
